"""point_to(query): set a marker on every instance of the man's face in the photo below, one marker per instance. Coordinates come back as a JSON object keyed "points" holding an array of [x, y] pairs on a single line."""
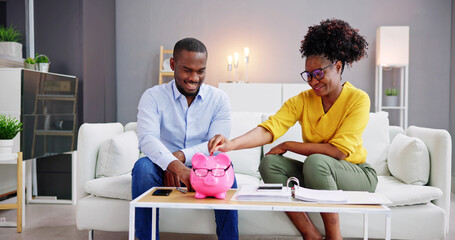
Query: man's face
{"points": [[189, 71]]}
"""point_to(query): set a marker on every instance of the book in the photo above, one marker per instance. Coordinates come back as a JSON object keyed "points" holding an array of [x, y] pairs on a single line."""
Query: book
{"points": [[251, 193], [320, 196]]}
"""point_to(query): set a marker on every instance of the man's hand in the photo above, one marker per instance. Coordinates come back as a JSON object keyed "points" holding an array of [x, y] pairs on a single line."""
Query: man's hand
{"points": [[177, 172], [180, 156]]}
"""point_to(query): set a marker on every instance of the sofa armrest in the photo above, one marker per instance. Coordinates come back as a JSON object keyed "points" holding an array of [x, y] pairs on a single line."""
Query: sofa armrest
{"points": [[90, 137], [439, 144]]}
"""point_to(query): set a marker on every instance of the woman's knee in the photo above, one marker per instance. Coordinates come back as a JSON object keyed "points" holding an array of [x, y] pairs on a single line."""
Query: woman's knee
{"points": [[315, 164], [267, 163]]}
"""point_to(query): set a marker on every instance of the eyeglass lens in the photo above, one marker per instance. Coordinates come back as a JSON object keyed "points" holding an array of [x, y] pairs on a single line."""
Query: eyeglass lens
{"points": [[318, 74], [216, 172]]}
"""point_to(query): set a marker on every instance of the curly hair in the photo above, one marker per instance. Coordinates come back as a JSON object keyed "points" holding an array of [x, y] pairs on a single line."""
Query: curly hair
{"points": [[336, 40]]}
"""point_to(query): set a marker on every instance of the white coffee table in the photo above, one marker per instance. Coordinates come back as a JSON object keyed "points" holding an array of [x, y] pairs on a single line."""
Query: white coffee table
{"points": [[187, 201]]}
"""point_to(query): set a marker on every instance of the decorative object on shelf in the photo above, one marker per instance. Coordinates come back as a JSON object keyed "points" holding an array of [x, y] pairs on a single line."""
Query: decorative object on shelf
{"points": [[10, 45], [391, 97], [246, 52], [392, 52], [42, 62], [9, 128], [229, 67], [29, 63]]}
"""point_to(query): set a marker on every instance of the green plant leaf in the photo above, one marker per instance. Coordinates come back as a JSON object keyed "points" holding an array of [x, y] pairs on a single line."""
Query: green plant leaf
{"points": [[9, 127], [10, 34]]}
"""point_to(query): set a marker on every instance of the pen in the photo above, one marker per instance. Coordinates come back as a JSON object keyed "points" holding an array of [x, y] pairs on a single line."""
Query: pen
{"points": [[181, 190]]}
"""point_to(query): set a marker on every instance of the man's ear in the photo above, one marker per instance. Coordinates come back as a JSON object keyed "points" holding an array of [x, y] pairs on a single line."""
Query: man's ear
{"points": [[172, 63]]}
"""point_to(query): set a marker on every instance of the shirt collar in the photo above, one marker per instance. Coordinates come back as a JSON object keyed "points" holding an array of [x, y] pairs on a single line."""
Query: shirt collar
{"points": [[201, 94]]}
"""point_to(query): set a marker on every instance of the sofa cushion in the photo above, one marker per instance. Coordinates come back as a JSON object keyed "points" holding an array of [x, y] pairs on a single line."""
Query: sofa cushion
{"points": [[408, 160], [117, 155], [294, 133], [118, 187], [245, 161], [376, 141], [401, 194]]}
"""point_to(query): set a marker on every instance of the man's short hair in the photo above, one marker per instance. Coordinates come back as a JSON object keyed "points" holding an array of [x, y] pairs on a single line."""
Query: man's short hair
{"points": [[190, 45]]}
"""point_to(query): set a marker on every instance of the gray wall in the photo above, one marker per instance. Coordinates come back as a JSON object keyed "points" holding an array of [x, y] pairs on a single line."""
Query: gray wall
{"points": [[273, 30], [452, 94]]}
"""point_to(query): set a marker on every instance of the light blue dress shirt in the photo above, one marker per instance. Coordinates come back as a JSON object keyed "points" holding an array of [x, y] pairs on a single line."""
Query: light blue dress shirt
{"points": [[165, 123]]}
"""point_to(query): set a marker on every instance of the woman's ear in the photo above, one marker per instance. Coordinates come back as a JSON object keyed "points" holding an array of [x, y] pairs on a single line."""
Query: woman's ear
{"points": [[339, 66]]}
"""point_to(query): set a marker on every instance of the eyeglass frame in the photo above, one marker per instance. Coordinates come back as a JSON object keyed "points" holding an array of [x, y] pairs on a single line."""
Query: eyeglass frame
{"points": [[311, 74], [210, 170]]}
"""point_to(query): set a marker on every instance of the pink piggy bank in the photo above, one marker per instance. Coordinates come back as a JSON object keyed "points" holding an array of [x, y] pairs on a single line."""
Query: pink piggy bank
{"points": [[211, 175]]}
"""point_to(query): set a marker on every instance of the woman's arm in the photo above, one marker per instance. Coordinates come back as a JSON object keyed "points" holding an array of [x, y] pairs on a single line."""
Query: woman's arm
{"points": [[256, 137], [308, 149]]}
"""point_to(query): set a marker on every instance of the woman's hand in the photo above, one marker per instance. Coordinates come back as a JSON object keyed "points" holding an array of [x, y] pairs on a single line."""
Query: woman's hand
{"points": [[219, 143], [279, 149]]}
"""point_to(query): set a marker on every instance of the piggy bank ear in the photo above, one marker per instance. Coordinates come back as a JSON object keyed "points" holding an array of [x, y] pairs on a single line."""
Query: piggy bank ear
{"points": [[197, 159], [223, 159]]}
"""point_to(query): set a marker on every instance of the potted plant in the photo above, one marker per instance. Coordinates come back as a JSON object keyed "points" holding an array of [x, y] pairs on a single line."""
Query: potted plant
{"points": [[391, 97], [42, 62], [10, 42], [9, 128], [29, 63]]}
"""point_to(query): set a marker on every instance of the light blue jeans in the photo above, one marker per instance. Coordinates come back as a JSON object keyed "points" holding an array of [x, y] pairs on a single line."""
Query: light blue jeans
{"points": [[146, 175]]}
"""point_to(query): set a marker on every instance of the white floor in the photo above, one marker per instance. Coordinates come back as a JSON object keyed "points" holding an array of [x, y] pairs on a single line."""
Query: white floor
{"points": [[56, 222]]}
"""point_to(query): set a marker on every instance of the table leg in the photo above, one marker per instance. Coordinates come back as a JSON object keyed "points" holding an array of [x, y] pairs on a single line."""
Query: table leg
{"points": [[154, 223], [365, 226], [131, 230], [388, 226]]}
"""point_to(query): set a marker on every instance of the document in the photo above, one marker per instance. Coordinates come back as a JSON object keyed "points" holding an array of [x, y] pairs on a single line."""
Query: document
{"points": [[251, 193], [320, 196]]}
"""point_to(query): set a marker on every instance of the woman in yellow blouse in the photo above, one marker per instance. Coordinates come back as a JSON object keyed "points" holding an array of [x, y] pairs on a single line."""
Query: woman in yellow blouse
{"points": [[333, 116]]}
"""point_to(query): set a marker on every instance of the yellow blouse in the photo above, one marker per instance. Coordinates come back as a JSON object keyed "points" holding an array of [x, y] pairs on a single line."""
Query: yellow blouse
{"points": [[342, 126]]}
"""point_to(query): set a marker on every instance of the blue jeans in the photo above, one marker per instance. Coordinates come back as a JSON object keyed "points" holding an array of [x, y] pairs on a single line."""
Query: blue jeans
{"points": [[146, 175]]}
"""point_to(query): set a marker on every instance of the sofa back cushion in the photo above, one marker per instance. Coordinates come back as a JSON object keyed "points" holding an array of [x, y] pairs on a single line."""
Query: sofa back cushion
{"points": [[245, 161], [376, 141], [293, 134], [117, 155]]}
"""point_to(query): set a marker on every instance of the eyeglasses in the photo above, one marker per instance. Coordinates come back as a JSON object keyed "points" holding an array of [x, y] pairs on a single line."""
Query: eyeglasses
{"points": [[216, 172], [317, 73]]}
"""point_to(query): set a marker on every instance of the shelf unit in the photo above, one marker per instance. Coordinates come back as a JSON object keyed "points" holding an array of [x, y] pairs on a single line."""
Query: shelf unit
{"points": [[401, 109], [19, 205], [164, 73]]}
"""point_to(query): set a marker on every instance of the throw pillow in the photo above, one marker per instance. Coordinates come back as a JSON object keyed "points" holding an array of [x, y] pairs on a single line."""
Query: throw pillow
{"points": [[117, 155], [245, 161], [409, 160], [376, 141]]}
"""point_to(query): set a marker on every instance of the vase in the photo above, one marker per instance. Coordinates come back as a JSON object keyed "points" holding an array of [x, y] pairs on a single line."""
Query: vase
{"points": [[12, 49], [6, 146], [391, 101], [29, 66], [43, 67]]}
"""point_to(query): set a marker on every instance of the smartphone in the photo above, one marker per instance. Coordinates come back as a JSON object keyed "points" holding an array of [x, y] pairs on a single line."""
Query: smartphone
{"points": [[162, 192], [270, 186]]}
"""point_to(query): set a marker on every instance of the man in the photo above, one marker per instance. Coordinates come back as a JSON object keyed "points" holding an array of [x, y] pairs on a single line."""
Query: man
{"points": [[175, 121]]}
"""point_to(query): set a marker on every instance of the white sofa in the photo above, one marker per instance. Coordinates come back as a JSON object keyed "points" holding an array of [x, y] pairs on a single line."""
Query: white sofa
{"points": [[418, 212]]}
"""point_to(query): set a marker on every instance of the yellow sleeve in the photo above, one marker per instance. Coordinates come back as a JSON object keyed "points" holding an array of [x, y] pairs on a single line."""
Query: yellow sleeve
{"points": [[286, 117], [348, 137]]}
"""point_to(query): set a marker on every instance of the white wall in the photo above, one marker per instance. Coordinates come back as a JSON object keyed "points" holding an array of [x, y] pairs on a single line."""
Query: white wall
{"points": [[273, 30]]}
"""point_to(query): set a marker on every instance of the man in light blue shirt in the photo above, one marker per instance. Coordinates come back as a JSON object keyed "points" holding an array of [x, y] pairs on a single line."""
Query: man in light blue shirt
{"points": [[175, 121]]}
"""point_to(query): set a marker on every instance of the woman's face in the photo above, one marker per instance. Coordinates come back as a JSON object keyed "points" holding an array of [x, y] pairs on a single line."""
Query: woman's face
{"points": [[330, 84]]}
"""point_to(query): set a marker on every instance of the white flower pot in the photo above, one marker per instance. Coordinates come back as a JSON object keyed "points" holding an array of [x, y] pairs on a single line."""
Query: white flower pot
{"points": [[43, 67], [12, 49], [6, 146], [391, 101]]}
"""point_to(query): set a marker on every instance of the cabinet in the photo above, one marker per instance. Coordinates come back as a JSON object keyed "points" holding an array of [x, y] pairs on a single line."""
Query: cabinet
{"points": [[393, 77], [165, 70], [15, 158], [46, 104]]}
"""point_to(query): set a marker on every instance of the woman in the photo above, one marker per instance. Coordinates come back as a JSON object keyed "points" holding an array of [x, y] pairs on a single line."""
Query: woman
{"points": [[333, 116]]}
